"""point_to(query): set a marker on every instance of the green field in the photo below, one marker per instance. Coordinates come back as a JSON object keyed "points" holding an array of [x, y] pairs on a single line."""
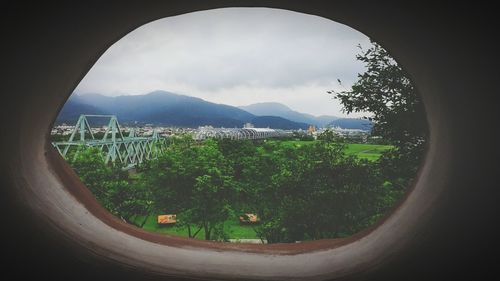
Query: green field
{"points": [[370, 152], [295, 143], [231, 227]]}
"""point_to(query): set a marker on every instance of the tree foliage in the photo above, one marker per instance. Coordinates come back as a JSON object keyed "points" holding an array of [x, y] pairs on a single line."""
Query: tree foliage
{"points": [[195, 182], [314, 192], [386, 92], [300, 192], [110, 184]]}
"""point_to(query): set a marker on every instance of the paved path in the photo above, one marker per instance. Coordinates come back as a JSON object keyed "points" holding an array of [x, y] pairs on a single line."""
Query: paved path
{"points": [[250, 241]]}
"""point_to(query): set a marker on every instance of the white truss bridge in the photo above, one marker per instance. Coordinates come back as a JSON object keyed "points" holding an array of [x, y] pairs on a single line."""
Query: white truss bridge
{"points": [[128, 151]]}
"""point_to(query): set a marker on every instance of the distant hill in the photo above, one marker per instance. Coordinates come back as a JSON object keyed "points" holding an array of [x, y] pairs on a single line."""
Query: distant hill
{"points": [[324, 120], [163, 108], [166, 108], [275, 122], [281, 110], [73, 108], [352, 123]]}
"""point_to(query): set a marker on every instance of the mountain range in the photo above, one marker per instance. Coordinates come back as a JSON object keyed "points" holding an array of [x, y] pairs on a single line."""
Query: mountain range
{"points": [[169, 109], [278, 109], [352, 123]]}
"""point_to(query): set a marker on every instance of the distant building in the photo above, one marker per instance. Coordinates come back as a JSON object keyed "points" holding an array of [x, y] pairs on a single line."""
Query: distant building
{"points": [[248, 125], [311, 129]]}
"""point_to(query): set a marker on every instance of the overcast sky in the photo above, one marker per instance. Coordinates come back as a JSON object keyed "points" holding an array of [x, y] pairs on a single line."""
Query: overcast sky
{"points": [[235, 56]]}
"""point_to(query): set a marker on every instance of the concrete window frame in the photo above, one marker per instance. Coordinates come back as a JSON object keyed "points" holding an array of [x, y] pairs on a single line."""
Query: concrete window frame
{"points": [[48, 187]]}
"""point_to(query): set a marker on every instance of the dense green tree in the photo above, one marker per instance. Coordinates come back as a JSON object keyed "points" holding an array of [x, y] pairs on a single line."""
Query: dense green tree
{"points": [[195, 181], [110, 184], [386, 92], [316, 192], [300, 191]]}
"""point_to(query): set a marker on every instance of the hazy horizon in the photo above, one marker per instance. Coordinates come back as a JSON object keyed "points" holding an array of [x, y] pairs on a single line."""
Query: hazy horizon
{"points": [[316, 115], [235, 56]]}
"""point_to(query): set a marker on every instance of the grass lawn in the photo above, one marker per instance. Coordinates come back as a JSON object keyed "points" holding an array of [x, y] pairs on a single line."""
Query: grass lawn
{"points": [[370, 152], [231, 227], [296, 143]]}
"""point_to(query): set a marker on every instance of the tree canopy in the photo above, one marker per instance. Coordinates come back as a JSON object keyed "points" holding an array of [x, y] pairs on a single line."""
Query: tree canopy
{"points": [[386, 92], [110, 184]]}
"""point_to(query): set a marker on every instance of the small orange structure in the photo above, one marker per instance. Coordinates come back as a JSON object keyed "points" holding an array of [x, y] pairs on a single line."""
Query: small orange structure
{"points": [[249, 219], [167, 219]]}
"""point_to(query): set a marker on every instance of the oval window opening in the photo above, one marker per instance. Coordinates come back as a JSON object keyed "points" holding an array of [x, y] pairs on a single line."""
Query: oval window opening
{"points": [[245, 125]]}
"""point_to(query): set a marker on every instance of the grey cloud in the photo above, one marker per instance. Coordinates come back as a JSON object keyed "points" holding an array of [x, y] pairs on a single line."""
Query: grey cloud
{"points": [[207, 52]]}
